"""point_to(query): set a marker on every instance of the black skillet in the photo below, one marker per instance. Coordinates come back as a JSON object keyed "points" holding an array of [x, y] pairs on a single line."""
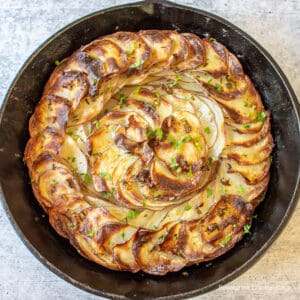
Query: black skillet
{"points": [[54, 251]]}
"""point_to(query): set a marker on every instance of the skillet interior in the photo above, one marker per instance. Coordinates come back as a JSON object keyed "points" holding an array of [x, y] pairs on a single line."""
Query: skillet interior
{"points": [[54, 251]]}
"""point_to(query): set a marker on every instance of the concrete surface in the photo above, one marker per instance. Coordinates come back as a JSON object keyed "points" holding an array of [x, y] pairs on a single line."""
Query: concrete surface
{"points": [[25, 24]]}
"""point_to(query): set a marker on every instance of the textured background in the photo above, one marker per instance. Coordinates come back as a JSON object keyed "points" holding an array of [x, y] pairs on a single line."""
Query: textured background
{"points": [[25, 24]]}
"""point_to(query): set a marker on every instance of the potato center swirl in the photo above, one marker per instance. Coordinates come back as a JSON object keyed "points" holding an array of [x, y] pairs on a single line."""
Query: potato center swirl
{"points": [[157, 146]]}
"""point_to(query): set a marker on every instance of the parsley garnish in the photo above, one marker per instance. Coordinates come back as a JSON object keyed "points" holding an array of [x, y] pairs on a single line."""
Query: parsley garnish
{"points": [[187, 207], [209, 80], [177, 144], [261, 116], [247, 229], [158, 133], [57, 62], [123, 235], [94, 81], [105, 175], [207, 130], [137, 89], [90, 233], [87, 178], [213, 39], [219, 87], [246, 126], [174, 164], [174, 82], [136, 64], [226, 239], [132, 214], [209, 192], [121, 99], [190, 173], [241, 189], [106, 195]]}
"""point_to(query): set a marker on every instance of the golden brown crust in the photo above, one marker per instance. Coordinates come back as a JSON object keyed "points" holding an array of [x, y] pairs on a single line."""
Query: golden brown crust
{"points": [[172, 173]]}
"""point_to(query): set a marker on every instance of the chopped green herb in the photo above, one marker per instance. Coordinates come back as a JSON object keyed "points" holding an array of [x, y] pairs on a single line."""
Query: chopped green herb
{"points": [[186, 98], [158, 133], [137, 89], [54, 181], [254, 217], [234, 225], [132, 214], [129, 51], [123, 235], [209, 192], [207, 130], [174, 82], [171, 140], [121, 99], [226, 239], [155, 227], [90, 233], [271, 158], [136, 64], [105, 175], [156, 194], [241, 189], [178, 170], [106, 195], [261, 116], [57, 62], [94, 81], [176, 236], [87, 178], [247, 229], [197, 143], [70, 225], [190, 173], [174, 164], [213, 39], [161, 237], [219, 87], [246, 126], [187, 207], [209, 80]]}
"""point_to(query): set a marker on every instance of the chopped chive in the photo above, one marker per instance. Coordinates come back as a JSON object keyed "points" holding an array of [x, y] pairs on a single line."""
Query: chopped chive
{"points": [[209, 80], [174, 82], [94, 81], [246, 126], [57, 62]]}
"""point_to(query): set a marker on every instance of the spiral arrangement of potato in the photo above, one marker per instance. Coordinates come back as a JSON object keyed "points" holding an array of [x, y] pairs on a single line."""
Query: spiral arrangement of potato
{"points": [[150, 150]]}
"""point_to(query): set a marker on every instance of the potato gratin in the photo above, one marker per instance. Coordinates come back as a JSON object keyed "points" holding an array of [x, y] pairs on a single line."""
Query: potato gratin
{"points": [[150, 150]]}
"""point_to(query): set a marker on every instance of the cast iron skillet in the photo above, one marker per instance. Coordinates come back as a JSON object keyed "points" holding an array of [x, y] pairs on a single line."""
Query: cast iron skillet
{"points": [[54, 251]]}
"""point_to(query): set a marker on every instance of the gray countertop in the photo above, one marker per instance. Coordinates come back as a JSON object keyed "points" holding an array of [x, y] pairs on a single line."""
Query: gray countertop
{"points": [[25, 24]]}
